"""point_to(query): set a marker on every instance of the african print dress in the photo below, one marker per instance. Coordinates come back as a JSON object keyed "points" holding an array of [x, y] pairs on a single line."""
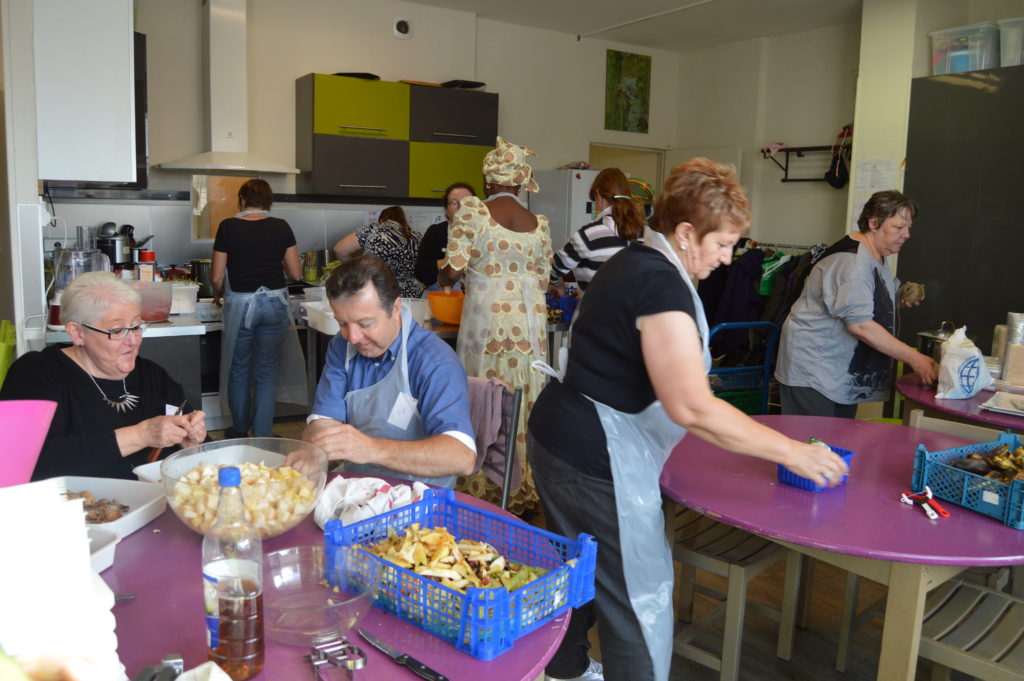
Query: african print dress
{"points": [[504, 318]]}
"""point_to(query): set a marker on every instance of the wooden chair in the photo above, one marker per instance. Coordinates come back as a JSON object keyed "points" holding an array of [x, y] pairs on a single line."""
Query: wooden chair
{"points": [[974, 630], [993, 578], [699, 542], [511, 403]]}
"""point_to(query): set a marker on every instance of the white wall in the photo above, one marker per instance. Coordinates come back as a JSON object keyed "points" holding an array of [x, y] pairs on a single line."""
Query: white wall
{"points": [[797, 89], [551, 86]]}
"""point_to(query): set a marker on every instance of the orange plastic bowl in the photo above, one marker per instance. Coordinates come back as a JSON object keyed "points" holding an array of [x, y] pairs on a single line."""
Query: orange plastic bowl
{"points": [[446, 307]]}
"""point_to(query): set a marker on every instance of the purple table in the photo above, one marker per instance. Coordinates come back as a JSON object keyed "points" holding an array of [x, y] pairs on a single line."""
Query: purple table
{"points": [[160, 563], [969, 410], [861, 526]]}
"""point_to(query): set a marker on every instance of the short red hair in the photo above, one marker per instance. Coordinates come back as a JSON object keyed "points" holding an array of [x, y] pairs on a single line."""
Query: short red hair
{"points": [[705, 194]]}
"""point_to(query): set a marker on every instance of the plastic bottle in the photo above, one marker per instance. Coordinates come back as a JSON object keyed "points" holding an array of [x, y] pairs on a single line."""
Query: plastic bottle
{"points": [[233, 584]]}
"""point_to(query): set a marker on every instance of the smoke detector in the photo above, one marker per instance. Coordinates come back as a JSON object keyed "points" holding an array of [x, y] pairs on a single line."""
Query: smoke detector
{"points": [[401, 28]]}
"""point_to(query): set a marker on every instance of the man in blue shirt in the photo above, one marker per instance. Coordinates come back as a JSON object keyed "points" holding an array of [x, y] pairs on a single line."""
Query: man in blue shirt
{"points": [[393, 397]]}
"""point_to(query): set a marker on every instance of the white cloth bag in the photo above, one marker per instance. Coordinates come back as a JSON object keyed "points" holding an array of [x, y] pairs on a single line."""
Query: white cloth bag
{"points": [[962, 372]]}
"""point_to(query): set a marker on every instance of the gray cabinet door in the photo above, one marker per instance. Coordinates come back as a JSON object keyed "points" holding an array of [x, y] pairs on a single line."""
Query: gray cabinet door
{"points": [[452, 116], [354, 166]]}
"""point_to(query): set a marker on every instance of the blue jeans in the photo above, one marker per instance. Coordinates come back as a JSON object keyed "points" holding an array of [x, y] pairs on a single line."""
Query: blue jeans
{"points": [[255, 360]]}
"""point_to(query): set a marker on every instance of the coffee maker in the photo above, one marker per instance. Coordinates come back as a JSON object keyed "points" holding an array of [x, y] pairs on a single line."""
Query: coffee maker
{"points": [[116, 245]]}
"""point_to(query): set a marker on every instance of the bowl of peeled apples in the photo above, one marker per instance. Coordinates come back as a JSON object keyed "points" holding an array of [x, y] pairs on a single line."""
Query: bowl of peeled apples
{"points": [[282, 480]]}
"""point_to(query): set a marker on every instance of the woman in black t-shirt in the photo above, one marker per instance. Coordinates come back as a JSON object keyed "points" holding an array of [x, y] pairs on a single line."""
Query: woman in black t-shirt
{"points": [[251, 247], [635, 382]]}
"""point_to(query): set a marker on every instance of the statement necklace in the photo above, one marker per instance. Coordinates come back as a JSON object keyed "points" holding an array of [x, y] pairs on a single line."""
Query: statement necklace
{"points": [[125, 403]]}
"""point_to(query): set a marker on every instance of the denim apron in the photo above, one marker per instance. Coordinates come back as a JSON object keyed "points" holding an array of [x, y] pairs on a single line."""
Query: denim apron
{"points": [[638, 447], [238, 312], [379, 411]]}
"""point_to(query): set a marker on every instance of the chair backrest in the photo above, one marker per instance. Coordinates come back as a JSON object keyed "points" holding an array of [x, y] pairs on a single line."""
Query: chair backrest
{"points": [[977, 433], [503, 449]]}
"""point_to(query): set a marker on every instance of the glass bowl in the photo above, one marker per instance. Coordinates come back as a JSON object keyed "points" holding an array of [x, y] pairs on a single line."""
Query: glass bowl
{"points": [[277, 497], [301, 609], [156, 299]]}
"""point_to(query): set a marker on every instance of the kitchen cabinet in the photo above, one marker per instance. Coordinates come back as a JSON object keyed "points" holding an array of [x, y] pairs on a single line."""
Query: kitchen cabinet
{"points": [[452, 116], [432, 167], [358, 137]]}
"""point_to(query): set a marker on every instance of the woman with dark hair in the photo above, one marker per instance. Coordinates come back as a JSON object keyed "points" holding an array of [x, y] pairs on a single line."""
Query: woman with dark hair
{"points": [[635, 382], [251, 254], [435, 240], [618, 222], [839, 341], [392, 240]]}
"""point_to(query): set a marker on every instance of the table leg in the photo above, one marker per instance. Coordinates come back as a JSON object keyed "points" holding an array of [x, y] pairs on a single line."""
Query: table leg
{"points": [[311, 357], [904, 608], [790, 596]]}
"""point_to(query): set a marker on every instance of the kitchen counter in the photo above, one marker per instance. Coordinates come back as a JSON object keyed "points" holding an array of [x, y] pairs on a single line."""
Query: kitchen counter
{"points": [[176, 325]]}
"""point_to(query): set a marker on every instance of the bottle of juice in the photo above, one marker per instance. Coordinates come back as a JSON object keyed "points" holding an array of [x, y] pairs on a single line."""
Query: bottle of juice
{"points": [[233, 584]]}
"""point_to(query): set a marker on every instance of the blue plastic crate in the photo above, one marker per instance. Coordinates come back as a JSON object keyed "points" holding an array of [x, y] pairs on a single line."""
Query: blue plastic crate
{"points": [[566, 305], [976, 492], [805, 483], [482, 622]]}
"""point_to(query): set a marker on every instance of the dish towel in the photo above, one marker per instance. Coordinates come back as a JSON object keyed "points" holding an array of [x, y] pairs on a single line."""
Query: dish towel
{"points": [[486, 413], [355, 499]]}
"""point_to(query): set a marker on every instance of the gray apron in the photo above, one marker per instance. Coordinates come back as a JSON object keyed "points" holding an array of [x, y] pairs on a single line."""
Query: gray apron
{"points": [[291, 369], [638, 447], [387, 409]]}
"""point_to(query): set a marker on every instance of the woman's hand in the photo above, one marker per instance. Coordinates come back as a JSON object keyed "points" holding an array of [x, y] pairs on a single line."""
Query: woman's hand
{"points": [[196, 428], [162, 431], [925, 367], [816, 463], [557, 290]]}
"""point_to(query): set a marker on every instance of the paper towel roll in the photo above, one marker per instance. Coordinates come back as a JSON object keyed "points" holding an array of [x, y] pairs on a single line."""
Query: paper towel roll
{"points": [[1015, 328]]}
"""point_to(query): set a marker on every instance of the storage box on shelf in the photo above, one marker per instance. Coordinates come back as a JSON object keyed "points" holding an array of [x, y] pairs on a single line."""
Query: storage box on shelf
{"points": [[992, 498], [482, 622], [965, 48], [1011, 41]]}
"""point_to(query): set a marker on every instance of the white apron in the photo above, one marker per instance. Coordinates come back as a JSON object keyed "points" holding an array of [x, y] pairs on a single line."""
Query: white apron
{"points": [[638, 447], [387, 409], [291, 369]]}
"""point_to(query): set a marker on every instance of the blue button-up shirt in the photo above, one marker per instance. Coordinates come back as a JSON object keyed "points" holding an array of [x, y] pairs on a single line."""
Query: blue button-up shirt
{"points": [[436, 378]]}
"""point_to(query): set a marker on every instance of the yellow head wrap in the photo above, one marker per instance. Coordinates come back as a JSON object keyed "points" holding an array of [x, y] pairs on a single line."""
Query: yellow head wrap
{"points": [[506, 165]]}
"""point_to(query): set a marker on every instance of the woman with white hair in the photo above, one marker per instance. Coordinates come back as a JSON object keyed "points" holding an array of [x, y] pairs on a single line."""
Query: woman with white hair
{"points": [[113, 406]]}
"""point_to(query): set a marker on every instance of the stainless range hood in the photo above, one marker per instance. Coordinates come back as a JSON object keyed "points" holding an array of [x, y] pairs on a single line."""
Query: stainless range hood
{"points": [[226, 91]]}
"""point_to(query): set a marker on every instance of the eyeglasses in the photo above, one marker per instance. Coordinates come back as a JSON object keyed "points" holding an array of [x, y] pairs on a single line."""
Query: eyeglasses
{"points": [[120, 333], [454, 203]]}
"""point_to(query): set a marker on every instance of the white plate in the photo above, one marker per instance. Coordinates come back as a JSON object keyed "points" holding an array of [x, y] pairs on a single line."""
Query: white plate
{"points": [[145, 500], [148, 472], [101, 547], [1005, 403]]}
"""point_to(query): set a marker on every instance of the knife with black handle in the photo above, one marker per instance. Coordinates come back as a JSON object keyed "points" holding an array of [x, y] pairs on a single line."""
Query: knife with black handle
{"points": [[421, 670]]}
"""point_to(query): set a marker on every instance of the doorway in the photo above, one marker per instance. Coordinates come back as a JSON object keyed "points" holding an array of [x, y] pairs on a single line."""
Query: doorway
{"points": [[635, 162]]}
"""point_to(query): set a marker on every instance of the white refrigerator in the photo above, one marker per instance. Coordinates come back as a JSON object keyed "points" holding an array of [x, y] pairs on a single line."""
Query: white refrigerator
{"points": [[564, 199]]}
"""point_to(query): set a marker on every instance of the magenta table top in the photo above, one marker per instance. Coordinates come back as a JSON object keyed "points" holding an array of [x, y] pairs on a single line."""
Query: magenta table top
{"points": [[909, 385], [160, 563], [863, 517]]}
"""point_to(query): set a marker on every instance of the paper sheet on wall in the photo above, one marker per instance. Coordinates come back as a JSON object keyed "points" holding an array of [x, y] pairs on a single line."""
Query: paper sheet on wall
{"points": [[875, 175], [420, 220]]}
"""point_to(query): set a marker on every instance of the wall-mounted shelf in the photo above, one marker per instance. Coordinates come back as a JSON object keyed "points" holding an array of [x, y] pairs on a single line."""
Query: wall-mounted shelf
{"points": [[799, 152]]}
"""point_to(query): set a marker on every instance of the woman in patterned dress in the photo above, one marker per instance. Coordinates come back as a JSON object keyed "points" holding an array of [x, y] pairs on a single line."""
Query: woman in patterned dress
{"points": [[392, 240], [504, 252]]}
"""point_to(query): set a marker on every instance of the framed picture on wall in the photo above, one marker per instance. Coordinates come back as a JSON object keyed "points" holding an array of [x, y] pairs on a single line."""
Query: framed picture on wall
{"points": [[627, 91]]}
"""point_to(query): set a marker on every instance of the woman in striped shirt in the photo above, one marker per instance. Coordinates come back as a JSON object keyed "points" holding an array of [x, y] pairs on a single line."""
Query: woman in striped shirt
{"points": [[619, 221]]}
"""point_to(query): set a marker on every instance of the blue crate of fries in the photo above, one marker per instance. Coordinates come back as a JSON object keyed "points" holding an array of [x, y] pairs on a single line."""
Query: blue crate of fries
{"points": [[483, 622], [999, 500]]}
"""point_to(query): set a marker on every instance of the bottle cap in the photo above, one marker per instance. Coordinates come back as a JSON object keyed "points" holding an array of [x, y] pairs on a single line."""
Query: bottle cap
{"points": [[229, 476]]}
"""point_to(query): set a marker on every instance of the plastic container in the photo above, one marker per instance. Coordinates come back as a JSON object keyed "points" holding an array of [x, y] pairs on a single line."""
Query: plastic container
{"points": [[102, 545], [233, 584], [183, 298], [145, 501], [566, 305], [978, 493], [482, 622], [156, 299], [320, 316], [789, 478], [965, 48], [190, 481], [301, 609], [446, 307], [1011, 41]]}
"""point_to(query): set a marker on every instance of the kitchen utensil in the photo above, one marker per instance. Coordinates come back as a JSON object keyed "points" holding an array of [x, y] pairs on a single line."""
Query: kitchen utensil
{"points": [[930, 342], [446, 307], [155, 454], [201, 273], [108, 229], [279, 513], [301, 609], [418, 668], [117, 247]]}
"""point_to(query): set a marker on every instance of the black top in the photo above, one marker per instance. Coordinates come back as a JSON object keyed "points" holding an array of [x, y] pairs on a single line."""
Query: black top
{"points": [[255, 250], [81, 438], [432, 248], [605, 359]]}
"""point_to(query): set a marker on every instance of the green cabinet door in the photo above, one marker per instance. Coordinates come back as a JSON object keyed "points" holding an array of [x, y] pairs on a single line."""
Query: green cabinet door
{"points": [[432, 167], [358, 107]]}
